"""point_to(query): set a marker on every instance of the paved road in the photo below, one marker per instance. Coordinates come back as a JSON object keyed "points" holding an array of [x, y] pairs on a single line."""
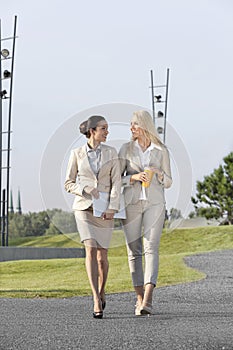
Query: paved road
{"points": [[190, 316]]}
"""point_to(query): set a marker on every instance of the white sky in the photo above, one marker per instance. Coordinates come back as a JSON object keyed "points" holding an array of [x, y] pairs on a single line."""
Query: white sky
{"points": [[73, 55]]}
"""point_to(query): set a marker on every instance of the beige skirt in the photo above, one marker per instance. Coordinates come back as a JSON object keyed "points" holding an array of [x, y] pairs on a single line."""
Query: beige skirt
{"points": [[91, 227]]}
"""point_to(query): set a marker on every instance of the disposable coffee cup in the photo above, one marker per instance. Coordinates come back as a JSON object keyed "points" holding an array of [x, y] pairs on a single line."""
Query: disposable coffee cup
{"points": [[150, 174]]}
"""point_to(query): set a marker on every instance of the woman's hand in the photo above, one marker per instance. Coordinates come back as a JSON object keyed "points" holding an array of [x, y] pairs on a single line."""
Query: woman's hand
{"points": [[159, 172], [143, 177], [108, 214], [92, 191]]}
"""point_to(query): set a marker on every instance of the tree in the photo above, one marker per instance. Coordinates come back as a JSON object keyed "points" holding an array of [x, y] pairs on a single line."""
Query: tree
{"points": [[192, 215], [39, 223], [216, 192], [48, 222], [52, 230], [175, 214], [62, 222], [19, 225]]}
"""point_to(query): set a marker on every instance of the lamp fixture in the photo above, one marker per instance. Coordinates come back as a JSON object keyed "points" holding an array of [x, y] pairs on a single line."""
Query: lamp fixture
{"points": [[160, 130], [3, 94], [5, 53], [160, 114], [158, 98], [6, 74]]}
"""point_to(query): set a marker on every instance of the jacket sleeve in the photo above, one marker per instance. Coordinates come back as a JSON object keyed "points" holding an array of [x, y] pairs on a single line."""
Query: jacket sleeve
{"points": [[114, 202], [165, 166], [71, 185], [125, 179]]}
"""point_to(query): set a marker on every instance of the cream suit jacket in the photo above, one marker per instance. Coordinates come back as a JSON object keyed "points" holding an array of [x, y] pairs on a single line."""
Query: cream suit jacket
{"points": [[130, 164], [79, 175]]}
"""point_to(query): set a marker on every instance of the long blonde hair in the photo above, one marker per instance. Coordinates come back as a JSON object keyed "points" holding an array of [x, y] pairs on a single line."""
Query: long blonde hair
{"points": [[145, 122]]}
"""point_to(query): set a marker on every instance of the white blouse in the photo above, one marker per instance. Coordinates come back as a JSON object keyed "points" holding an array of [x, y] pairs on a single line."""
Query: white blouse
{"points": [[94, 157], [145, 161]]}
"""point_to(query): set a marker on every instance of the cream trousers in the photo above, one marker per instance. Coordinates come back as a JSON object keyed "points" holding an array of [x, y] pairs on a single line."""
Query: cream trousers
{"points": [[143, 220]]}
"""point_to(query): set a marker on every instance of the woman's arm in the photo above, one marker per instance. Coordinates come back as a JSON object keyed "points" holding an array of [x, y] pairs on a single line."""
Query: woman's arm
{"points": [[125, 179], [71, 174], [128, 180], [166, 178], [115, 191]]}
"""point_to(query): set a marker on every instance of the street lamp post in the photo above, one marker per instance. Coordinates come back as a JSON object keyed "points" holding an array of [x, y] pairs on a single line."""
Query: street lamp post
{"points": [[158, 99], [7, 56]]}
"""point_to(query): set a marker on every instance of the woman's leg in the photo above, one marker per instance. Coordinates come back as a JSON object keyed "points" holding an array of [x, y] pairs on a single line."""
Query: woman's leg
{"points": [[134, 250], [102, 259], [149, 288], [133, 235], [92, 271], [153, 220], [136, 269], [139, 290], [95, 233]]}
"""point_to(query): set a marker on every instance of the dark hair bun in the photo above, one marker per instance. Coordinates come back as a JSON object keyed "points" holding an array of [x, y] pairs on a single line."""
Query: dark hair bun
{"points": [[83, 128], [90, 123]]}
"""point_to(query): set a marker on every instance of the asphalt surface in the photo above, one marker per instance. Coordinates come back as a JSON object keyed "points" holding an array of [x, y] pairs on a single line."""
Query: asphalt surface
{"points": [[189, 316]]}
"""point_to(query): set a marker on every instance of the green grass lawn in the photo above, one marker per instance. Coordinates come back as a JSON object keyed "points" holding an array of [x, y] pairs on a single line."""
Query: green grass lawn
{"points": [[67, 277]]}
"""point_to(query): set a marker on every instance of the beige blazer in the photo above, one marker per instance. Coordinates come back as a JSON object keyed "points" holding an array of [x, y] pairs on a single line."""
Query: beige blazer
{"points": [[130, 164], [79, 175]]}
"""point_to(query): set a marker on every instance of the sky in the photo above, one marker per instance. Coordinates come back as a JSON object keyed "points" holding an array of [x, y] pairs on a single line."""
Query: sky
{"points": [[74, 58]]}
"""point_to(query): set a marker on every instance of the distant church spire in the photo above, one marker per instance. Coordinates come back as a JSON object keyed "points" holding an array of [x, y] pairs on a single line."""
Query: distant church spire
{"points": [[11, 207], [19, 209]]}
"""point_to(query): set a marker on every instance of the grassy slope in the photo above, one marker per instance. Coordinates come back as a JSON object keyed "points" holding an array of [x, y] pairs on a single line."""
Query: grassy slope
{"points": [[67, 277]]}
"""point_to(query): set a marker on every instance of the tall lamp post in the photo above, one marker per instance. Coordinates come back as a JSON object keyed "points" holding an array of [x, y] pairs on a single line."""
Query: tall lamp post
{"points": [[7, 53], [159, 96]]}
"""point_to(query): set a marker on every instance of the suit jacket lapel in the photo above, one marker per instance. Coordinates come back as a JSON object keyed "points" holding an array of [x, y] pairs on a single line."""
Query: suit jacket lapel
{"points": [[136, 157], [104, 158], [155, 157]]}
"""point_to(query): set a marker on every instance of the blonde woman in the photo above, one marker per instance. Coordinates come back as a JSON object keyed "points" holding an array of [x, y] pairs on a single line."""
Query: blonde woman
{"points": [[145, 204], [94, 169]]}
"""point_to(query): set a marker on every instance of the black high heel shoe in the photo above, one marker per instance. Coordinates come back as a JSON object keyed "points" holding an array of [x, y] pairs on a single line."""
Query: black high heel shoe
{"points": [[103, 304], [103, 301], [98, 314]]}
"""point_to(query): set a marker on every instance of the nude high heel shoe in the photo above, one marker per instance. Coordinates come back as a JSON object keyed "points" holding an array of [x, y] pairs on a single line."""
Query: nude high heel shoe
{"points": [[146, 309], [138, 309]]}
